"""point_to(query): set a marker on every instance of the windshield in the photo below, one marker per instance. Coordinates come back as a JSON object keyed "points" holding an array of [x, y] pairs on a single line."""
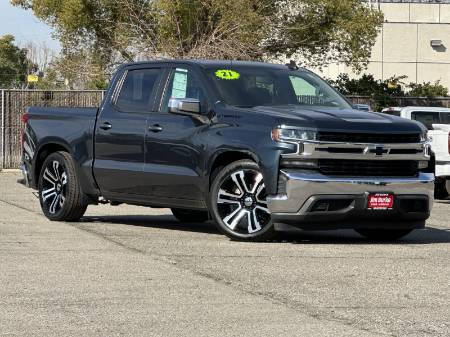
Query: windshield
{"points": [[249, 86]]}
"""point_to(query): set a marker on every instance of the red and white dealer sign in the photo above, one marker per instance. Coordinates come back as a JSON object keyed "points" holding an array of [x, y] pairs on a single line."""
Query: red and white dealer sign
{"points": [[380, 201]]}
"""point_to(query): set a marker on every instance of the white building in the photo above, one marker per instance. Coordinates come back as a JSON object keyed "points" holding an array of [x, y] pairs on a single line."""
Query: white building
{"points": [[414, 41]]}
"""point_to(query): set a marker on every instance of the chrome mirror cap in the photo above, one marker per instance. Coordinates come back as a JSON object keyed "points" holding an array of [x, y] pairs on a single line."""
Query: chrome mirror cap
{"points": [[187, 105]]}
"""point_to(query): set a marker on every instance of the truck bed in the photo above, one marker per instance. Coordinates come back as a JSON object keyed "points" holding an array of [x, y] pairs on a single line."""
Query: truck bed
{"points": [[73, 128]]}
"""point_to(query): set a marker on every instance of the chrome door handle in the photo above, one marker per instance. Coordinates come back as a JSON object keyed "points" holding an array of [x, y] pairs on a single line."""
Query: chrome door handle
{"points": [[106, 126], [155, 128]]}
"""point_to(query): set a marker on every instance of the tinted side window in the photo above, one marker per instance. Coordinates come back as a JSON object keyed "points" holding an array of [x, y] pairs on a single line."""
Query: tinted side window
{"points": [[445, 117], [182, 84], [427, 118], [137, 90]]}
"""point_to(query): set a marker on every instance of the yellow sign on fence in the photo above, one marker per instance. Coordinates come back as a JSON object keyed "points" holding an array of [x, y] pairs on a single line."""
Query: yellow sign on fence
{"points": [[32, 78]]}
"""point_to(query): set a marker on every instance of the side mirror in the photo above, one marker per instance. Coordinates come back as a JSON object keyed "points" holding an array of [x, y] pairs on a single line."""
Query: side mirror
{"points": [[184, 106], [361, 107]]}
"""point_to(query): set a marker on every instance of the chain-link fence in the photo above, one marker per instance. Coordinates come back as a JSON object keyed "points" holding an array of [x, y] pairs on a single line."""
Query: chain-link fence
{"points": [[14, 103]]}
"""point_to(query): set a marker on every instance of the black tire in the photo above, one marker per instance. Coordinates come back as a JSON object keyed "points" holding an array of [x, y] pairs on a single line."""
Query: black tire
{"points": [[440, 189], [384, 234], [249, 222], [60, 193], [189, 215]]}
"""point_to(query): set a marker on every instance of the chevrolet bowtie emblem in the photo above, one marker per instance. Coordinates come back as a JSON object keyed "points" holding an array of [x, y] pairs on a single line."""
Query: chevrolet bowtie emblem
{"points": [[377, 150]]}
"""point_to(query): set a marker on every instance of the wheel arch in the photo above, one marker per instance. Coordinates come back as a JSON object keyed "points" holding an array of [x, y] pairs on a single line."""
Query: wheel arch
{"points": [[226, 157], [43, 152]]}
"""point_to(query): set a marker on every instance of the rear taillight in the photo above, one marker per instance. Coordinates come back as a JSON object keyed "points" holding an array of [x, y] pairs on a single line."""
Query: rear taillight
{"points": [[25, 117]]}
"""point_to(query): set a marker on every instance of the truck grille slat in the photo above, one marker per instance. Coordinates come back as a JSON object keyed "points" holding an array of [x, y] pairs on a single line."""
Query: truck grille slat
{"points": [[368, 138], [379, 168]]}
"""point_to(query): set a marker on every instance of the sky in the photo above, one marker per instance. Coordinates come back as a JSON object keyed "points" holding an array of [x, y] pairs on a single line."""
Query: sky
{"points": [[24, 26]]}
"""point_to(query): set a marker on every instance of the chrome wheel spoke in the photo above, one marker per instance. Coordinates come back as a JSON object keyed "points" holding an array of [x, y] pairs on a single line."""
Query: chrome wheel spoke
{"points": [[64, 178], [54, 204], [49, 176], [258, 183], [225, 197], [253, 222], [260, 188], [235, 217], [56, 169], [263, 209], [62, 198], [48, 193], [239, 180]]}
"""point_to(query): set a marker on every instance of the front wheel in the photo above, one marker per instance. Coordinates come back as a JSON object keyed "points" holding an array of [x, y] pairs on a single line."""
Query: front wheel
{"points": [[238, 202], [60, 193], [384, 234]]}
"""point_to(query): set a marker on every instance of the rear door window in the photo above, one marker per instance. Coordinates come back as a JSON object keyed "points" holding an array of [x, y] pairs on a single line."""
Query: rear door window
{"points": [[138, 90], [427, 118]]}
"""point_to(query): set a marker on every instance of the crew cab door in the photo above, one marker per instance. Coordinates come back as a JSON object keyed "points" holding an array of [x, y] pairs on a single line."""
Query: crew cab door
{"points": [[174, 151], [120, 133]]}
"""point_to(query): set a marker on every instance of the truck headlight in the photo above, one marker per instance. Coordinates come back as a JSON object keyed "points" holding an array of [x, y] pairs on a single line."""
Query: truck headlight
{"points": [[292, 135], [424, 137]]}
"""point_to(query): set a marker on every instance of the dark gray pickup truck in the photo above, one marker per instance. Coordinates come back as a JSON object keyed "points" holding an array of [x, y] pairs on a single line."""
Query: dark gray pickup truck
{"points": [[245, 144]]}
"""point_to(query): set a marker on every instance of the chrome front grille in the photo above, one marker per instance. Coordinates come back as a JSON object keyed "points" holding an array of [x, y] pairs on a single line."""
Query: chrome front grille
{"points": [[360, 155], [368, 168], [368, 138]]}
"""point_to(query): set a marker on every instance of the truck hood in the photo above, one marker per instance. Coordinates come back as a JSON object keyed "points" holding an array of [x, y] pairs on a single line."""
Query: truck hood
{"points": [[334, 119]]}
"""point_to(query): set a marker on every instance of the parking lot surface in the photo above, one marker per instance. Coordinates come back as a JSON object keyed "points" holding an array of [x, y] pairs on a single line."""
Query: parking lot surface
{"points": [[135, 271]]}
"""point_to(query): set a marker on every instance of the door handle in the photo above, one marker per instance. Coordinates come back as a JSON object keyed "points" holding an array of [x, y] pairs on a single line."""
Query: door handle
{"points": [[106, 126], [155, 128]]}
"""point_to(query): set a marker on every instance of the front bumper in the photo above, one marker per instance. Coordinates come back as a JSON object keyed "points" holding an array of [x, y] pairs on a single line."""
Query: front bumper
{"points": [[347, 198]]}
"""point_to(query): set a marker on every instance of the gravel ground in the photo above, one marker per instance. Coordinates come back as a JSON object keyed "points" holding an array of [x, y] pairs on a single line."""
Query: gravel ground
{"points": [[134, 271]]}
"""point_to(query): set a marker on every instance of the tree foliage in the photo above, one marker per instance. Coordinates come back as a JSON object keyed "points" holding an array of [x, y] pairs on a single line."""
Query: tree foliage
{"points": [[383, 93], [319, 31], [428, 89], [14, 65], [324, 31]]}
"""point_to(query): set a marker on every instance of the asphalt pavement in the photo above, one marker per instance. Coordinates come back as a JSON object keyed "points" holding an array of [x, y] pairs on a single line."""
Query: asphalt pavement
{"points": [[135, 271]]}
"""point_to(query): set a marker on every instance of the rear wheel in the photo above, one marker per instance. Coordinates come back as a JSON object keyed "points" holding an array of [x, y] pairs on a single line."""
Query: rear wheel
{"points": [[384, 234], [188, 215], [60, 193], [238, 202]]}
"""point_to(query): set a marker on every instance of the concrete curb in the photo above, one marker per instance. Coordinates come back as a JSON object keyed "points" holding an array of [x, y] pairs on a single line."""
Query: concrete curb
{"points": [[10, 171]]}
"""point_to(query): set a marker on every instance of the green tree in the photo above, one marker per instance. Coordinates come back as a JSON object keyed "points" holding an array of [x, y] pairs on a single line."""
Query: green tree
{"points": [[14, 65], [75, 71], [380, 92], [324, 31], [427, 89], [318, 31]]}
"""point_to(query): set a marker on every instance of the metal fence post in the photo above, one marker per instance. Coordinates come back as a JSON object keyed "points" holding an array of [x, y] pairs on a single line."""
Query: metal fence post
{"points": [[3, 132]]}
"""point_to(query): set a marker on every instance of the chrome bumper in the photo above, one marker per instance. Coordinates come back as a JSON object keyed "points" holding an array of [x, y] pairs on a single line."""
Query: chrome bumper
{"points": [[302, 188]]}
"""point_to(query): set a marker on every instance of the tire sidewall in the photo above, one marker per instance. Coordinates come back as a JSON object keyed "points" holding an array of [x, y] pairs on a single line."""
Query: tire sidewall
{"points": [[222, 175]]}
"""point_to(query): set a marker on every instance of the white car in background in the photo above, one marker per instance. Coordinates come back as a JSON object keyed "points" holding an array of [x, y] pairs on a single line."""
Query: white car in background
{"points": [[437, 120]]}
